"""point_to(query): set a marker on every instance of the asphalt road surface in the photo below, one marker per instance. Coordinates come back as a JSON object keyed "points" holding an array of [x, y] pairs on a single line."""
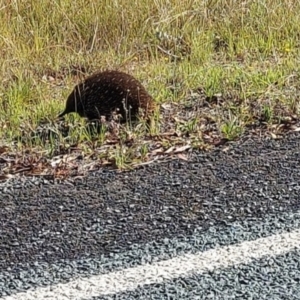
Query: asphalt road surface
{"points": [[225, 225]]}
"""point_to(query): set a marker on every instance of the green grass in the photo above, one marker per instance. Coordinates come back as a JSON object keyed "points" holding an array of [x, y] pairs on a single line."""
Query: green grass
{"points": [[215, 68]]}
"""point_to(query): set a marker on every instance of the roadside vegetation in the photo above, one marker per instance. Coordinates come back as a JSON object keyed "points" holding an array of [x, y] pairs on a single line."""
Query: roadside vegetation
{"points": [[218, 69]]}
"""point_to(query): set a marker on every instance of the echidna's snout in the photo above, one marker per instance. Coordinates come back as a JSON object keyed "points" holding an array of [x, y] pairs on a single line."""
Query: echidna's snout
{"points": [[69, 108]]}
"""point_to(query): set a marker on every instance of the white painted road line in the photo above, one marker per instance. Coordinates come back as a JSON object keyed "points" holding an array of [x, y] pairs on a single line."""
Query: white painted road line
{"points": [[181, 266]]}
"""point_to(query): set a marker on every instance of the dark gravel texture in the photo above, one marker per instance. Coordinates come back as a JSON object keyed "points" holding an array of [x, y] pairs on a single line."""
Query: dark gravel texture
{"points": [[43, 273], [109, 220]]}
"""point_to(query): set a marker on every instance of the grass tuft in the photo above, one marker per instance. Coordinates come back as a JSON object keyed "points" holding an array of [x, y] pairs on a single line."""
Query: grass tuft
{"points": [[215, 69]]}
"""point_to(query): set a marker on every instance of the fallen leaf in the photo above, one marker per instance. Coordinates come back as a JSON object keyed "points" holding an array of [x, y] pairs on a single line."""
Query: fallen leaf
{"points": [[3, 149], [182, 156], [168, 151], [7, 176], [157, 151], [294, 128], [182, 148]]}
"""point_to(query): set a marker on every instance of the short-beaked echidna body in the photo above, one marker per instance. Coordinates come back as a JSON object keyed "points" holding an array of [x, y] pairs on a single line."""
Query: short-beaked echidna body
{"points": [[106, 92]]}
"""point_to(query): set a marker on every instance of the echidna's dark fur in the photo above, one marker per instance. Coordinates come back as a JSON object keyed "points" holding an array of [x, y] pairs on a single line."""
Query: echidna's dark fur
{"points": [[106, 92]]}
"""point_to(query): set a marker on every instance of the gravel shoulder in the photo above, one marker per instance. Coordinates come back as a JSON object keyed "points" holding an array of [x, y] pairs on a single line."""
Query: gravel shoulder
{"points": [[109, 220]]}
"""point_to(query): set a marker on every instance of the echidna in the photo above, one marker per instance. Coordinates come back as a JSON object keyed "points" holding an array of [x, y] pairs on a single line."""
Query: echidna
{"points": [[106, 92]]}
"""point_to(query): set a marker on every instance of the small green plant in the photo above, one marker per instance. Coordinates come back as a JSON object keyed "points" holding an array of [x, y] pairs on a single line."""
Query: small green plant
{"points": [[188, 126], [267, 113], [121, 157], [144, 150], [231, 129]]}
